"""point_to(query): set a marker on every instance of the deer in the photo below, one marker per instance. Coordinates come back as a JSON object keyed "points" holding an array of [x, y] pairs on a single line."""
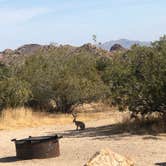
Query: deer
{"points": [[79, 124]]}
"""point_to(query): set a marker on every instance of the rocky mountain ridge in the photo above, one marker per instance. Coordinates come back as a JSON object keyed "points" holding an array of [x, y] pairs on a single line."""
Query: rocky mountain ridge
{"points": [[124, 43]]}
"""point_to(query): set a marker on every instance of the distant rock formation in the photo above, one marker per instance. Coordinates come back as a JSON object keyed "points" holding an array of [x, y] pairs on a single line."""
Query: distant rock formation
{"points": [[94, 49], [108, 158], [28, 49], [124, 43], [8, 51], [19, 55], [1, 57], [117, 47]]}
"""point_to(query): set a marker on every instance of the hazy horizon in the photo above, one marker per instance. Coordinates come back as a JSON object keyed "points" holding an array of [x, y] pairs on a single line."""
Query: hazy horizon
{"points": [[75, 21]]}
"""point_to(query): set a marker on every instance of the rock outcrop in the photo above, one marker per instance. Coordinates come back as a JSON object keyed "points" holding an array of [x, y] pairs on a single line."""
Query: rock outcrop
{"points": [[1, 56], [28, 49], [108, 158], [117, 47], [8, 51]]}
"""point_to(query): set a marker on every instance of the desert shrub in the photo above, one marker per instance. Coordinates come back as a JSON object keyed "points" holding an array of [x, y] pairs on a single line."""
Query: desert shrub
{"points": [[13, 92], [4, 71], [137, 79], [68, 80]]}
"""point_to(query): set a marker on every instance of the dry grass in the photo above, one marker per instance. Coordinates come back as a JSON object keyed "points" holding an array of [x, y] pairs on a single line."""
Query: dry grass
{"points": [[155, 123], [11, 119], [94, 107], [22, 117]]}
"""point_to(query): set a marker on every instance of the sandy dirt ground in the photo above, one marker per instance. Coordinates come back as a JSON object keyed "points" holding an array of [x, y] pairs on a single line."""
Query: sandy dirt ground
{"points": [[77, 147]]}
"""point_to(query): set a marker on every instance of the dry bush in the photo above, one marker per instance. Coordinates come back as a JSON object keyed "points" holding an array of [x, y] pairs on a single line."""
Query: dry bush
{"points": [[152, 123], [94, 107]]}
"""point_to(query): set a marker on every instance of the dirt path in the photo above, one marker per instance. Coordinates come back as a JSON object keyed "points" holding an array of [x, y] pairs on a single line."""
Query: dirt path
{"points": [[78, 147]]}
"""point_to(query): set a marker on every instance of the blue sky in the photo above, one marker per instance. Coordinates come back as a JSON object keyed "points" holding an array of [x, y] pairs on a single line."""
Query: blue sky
{"points": [[74, 21]]}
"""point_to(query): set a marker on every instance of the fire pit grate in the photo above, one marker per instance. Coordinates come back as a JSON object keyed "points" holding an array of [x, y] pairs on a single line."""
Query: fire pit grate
{"points": [[37, 147]]}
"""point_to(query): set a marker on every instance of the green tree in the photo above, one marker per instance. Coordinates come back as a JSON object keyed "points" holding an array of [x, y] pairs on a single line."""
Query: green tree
{"points": [[14, 92], [68, 80], [137, 79], [94, 38], [4, 71]]}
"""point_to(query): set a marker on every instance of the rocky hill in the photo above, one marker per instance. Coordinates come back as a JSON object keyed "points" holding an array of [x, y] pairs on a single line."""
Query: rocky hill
{"points": [[124, 43], [18, 55], [9, 56]]}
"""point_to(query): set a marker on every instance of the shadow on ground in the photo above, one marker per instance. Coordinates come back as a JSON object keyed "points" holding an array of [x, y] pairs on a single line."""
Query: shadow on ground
{"points": [[161, 164], [105, 132], [8, 159]]}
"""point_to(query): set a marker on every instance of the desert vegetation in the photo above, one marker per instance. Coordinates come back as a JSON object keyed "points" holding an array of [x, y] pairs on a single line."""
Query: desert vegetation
{"points": [[21, 117], [60, 78], [119, 98]]}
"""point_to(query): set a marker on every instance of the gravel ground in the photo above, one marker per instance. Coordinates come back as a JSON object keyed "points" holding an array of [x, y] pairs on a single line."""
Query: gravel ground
{"points": [[77, 147]]}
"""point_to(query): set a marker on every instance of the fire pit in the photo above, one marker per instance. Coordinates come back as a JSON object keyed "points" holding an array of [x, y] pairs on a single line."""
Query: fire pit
{"points": [[37, 147]]}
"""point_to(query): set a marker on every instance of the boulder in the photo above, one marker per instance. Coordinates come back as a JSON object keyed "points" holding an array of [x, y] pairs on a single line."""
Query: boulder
{"points": [[8, 51], [107, 157], [28, 49], [117, 47]]}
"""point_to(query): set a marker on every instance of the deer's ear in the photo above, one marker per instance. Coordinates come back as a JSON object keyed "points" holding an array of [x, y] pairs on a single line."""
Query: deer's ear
{"points": [[74, 114]]}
